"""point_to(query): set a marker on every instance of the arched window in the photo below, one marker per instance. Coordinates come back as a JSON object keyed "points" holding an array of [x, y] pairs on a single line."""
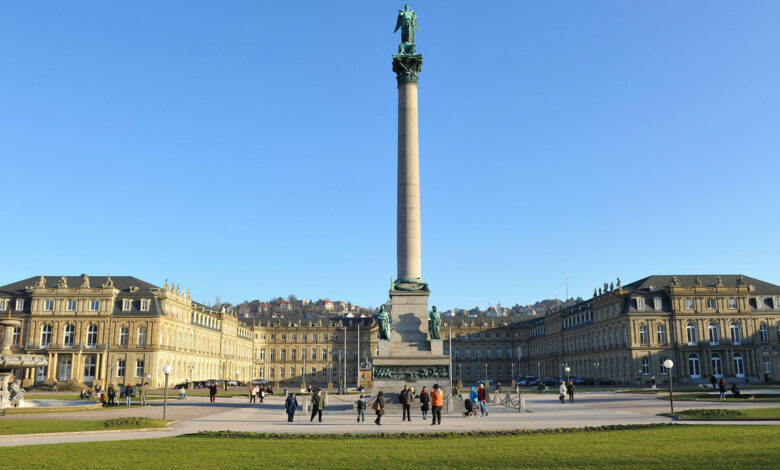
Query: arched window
{"points": [[736, 333], [693, 366], [92, 336], [124, 335], [46, 336], [691, 330], [714, 333], [739, 365], [764, 332], [717, 365], [69, 338]]}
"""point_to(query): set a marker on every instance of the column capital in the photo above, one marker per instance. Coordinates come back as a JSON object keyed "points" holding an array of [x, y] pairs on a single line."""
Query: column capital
{"points": [[407, 67]]}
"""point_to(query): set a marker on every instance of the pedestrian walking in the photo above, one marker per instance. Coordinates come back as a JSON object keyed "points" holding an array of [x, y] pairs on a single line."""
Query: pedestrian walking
{"points": [[262, 393], [562, 392], [212, 392], [652, 382], [406, 397], [437, 400], [142, 394], [570, 391], [316, 405], [361, 409], [379, 407], [722, 389], [425, 399], [111, 396], [252, 394], [473, 396], [290, 406], [713, 381], [482, 396], [128, 393]]}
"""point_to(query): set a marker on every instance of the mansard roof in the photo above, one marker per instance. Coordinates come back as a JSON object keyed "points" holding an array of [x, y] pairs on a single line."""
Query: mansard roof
{"points": [[662, 281]]}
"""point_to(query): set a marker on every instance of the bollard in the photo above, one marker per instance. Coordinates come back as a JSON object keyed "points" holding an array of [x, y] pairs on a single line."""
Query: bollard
{"points": [[507, 400], [324, 399], [306, 404], [449, 404], [521, 406]]}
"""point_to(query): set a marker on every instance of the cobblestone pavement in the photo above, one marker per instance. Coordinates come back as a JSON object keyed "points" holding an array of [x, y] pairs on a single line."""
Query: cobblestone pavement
{"points": [[236, 414]]}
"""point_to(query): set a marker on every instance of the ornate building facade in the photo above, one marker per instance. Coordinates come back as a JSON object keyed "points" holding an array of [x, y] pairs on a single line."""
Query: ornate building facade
{"points": [[125, 330]]}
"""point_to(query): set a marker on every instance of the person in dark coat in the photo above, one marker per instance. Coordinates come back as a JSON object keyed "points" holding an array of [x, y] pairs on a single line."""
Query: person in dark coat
{"points": [[570, 391], [316, 405], [379, 407], [406, 397], [722, 389], [713, 381], [425, 399], [289, 407], [212, 392]]}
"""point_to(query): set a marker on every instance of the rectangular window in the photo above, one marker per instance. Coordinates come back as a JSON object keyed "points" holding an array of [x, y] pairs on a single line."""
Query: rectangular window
{"points": [[142, 337], [71, 306], [314, 337], [3, 304], [710, 304], [304, 336], [120, 372], [123, 337], [688, 304], [733, 303], [19, 304], [324, 336], [640, 304], [144, 305], [661, 334], [658, 303], [126, 305], [759, 302], [139, 368], [94, 305], [48, 304]]}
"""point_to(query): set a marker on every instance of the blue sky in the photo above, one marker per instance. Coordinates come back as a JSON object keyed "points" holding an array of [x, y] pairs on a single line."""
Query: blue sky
{"points": [[248, 149]]}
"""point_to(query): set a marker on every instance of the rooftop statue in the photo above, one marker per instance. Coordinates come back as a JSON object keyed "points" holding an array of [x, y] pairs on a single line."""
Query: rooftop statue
{"points": [[407, 23]]}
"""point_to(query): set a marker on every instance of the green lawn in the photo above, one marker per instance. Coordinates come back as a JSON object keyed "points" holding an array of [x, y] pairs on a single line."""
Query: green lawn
{"points": [[710, 397], [51, 396], [681, 446], [33, 426], [730, 414], [67, 409]]}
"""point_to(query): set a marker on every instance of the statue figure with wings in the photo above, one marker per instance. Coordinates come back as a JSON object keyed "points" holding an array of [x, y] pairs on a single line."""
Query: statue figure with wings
{"points": [[407, 23]]}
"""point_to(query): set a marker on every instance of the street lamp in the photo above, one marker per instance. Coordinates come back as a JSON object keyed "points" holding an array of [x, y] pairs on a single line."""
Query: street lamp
{"points": [[567, 369], [669, 364], [237, 383], [167, 371]]}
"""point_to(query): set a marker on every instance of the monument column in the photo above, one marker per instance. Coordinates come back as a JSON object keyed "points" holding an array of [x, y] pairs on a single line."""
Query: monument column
{"points": [[408, 235]]}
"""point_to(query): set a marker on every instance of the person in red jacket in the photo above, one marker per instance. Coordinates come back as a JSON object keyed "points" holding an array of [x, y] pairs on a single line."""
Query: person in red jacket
{"points": [[482, 397]]}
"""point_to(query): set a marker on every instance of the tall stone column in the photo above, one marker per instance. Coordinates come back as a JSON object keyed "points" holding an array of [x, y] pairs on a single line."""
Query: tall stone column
{"points": [[408, 235]]}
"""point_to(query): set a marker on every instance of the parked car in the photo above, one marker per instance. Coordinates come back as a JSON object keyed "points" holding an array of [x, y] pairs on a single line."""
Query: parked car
{"points": [[603, 381], [550, 381], [181, 385], [530, 380]]}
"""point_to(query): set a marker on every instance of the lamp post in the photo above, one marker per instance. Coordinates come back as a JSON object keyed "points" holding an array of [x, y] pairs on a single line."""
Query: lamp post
{"points": [[669, 364], [567, 369], [486, 377], [538, 370], [237, 383], [596, 369], [167, 371]]}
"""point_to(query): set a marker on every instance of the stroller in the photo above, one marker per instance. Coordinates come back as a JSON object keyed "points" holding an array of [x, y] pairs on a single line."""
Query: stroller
{"points": [[470, 411]]}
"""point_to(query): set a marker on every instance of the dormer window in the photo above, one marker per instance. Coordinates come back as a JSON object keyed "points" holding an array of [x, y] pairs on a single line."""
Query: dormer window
{"points": [[3, 304], [759, 302], [127, 304], [144, 305], [19, 304], [658, 303], [640, 304]]}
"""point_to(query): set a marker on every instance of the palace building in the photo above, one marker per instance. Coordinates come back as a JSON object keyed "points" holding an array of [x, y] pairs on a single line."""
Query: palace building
{"points": [[124, 330]]}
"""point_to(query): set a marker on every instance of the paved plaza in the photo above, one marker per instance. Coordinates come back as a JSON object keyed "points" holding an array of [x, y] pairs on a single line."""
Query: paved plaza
{"points": [[236, 414]]}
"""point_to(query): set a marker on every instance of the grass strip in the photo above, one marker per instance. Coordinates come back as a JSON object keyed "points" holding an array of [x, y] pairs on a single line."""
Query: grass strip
{"points": [[680, 447], [39, 426]]}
